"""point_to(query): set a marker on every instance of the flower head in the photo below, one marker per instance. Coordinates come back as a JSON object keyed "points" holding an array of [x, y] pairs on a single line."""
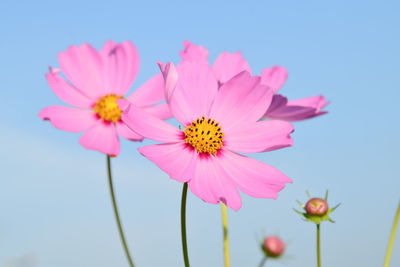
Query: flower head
{"points": [[316, 206], [273, 247], [96, 80], [227, 65], [317, 209], [217, 122]]}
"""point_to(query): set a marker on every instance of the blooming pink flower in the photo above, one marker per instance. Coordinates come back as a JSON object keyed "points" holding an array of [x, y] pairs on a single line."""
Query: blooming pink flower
{"points": [[228, 65], [217, 123], [95, 81]]}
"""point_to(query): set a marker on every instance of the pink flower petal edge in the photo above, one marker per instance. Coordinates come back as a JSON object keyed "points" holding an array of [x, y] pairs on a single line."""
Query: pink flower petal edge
{"points": [[101, 137], [147, 125], [228, 65], [193, 52], [274, 77], [297, 110], [69, 119]]}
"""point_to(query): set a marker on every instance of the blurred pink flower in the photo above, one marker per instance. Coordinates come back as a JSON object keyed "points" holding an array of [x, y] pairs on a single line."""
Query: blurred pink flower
{"points": [[273, 246], [218, 122], [95, 81], [228, 65]]}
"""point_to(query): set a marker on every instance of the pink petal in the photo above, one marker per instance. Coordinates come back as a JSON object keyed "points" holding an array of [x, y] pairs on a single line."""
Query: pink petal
{"points": [[278, 101], [101, 137], [253, 177], [297, 110], [176, 159], [83, 67], [127, 133], [147, 125], [151, 92], [160, 111], [170, 77], [194, 92], [260, 136], [241, 100], [227, 65], [66, 92], [317, 102], [274, 77], [291, 113], [120, 66], [193, 52], [212, 184], [69, 119]]}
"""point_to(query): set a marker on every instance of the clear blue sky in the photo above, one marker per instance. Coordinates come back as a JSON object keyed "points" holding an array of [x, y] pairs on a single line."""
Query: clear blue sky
{"points": [[54, 204]]}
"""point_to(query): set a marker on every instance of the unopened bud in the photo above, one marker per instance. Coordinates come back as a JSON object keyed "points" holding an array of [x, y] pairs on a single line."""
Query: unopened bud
{"points": [[316, 207], [273, 246]]}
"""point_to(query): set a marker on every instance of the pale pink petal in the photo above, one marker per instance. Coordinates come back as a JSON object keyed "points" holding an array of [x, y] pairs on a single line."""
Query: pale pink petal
{"points": [[176, 159], [193, 52], [83, 67], [148, 125], [101, 137], [170, 78], [212, 184], [227, 65], [120, 66], [151, 92], [260, 136], [253, 177], [317, 102], [274, 77], [297, 110], [69, 119], [161, 111], [194, 92], [291, 113], [66, 92], [241, 100], [127, 133]]}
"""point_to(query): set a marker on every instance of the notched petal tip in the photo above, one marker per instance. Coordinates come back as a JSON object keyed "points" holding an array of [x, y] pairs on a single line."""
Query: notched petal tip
{"points": [[53, 70]]}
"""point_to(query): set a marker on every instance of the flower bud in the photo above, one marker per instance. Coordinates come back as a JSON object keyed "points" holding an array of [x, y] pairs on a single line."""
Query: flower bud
{"points": [[273, 246], [316, 207]]}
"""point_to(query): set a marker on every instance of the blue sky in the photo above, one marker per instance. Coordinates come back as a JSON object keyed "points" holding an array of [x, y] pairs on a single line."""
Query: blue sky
{"points": [[54, 202]]}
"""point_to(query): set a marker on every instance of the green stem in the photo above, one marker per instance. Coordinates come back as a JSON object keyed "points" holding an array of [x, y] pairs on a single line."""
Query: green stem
{"points": [[183, 225], [121, 232], [225, 231], [262, 263], [391, 240], [318, 248]]}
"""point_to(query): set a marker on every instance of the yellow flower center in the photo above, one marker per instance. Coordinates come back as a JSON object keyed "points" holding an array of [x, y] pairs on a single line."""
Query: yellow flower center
{"points": [[108, 109], [204, 135]]}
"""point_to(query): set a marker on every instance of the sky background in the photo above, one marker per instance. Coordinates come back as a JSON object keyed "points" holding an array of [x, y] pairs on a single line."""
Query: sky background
{"points": [[55, 208]]}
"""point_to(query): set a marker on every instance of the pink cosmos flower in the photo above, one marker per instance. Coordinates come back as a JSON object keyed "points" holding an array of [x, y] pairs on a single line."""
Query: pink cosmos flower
{"points": [[95, 81], [217, 123], [228, 65]]}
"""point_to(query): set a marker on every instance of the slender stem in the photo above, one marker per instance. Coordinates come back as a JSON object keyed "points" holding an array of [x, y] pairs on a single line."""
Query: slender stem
{"points": [[183, 225], [391, 241], [225, 231], [262, 263], [318, 248], [121, 232]]}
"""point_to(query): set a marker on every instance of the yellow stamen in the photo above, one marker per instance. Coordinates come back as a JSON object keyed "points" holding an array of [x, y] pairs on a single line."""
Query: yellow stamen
{"points": [[108, 109], [204, 135]]}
